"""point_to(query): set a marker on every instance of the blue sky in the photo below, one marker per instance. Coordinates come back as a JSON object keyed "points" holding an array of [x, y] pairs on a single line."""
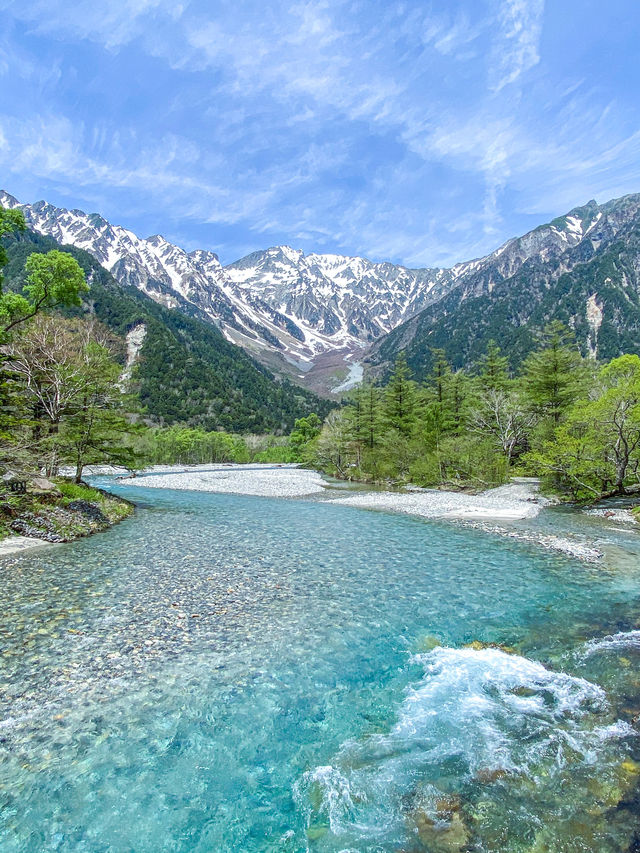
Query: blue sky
{"points": [[420, 132]]}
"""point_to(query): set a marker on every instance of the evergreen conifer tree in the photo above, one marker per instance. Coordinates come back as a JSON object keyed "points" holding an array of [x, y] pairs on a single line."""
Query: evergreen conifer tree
{"points": [[400, 399]]}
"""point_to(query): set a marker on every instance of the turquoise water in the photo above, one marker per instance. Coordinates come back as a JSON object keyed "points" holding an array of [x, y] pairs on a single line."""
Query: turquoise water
{"points": [[226, 673]]}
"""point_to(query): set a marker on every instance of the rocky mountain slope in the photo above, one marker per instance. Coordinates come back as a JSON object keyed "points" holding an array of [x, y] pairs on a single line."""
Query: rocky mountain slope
{"points": [[182, 368], [582, 268], [287, 309], [315, 316]]}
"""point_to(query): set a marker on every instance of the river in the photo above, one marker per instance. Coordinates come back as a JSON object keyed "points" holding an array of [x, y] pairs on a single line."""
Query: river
{"points": [[228, 673]]}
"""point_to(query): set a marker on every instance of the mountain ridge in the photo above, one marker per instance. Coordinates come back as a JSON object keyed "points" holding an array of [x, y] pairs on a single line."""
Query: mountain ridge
{"points": [[315, 316], [332, 303], [591, 283], [183, 369]]}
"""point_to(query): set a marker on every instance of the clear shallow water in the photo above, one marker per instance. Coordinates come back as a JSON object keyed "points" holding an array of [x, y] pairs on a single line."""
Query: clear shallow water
{"points": [[225, 673]]}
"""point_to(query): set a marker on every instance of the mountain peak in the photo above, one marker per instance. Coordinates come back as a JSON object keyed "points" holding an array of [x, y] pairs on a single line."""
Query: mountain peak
{"points": [[292, 310], [7, 200]]}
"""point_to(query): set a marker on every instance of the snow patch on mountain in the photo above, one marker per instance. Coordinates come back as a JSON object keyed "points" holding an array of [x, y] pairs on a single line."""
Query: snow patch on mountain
{"points": [[286, 307], [274, 301]]}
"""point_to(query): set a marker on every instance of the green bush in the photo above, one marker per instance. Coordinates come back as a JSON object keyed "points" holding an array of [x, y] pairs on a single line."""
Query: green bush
{"points": [[276, 453], [77, 492]]}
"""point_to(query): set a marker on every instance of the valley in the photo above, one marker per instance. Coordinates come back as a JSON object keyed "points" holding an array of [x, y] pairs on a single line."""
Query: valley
{"points": [[311, 317]]}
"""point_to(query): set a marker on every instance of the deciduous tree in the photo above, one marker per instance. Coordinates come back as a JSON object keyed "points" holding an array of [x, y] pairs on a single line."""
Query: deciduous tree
{"points": [[53, 280]]}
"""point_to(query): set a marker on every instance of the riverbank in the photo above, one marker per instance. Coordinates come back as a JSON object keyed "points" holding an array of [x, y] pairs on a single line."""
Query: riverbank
{"points": [[510, 511], [518, 500], [57, 511], [261, 480], [513, 502]]}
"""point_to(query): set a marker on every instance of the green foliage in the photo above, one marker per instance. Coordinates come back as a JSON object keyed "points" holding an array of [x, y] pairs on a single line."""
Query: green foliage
{"points": [[399, 404], [72, 491], [559, 418], [493, 369], [10, 222], [279, 454], [70, 384], [554, 375], [12, 402], [185, 446], [596, 450], [304, 431], [53, 279]]}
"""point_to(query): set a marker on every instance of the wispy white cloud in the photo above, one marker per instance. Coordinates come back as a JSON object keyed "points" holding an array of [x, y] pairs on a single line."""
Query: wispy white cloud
{"points": [[517, 51], [396, 130], [112, 24]]}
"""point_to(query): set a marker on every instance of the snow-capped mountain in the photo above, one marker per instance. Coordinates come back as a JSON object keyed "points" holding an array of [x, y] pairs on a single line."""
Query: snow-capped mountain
{"points": [[279, 304], [335, 299], [315, 315], [582, 269]]}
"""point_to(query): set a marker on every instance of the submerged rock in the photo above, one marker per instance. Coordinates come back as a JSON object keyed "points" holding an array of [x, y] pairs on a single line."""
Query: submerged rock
{"points": [[478, 646], [489, 775], [447, 833], [428, 643], [316, 832]]}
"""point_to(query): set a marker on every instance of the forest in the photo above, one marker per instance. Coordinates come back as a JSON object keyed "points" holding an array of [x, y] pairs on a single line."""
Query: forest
{"points": [[65, 399], [68, 398], [567, 419], [187, 373]]}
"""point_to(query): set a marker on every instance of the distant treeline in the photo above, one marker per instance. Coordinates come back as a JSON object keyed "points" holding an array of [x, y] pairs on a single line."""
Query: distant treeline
{"points": [[186, 446]]}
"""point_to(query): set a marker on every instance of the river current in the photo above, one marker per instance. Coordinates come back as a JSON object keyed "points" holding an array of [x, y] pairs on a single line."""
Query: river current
{"points": [[227, 673]]}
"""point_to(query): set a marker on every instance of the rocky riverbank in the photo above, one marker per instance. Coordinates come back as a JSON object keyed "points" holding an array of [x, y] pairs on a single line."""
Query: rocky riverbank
{"points": [[262, 480], [515, 501], [506, 511], [55, 511]]}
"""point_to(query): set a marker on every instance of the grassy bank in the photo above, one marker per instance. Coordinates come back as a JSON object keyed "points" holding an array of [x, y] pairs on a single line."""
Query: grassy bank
{"points": [[62, 513]]}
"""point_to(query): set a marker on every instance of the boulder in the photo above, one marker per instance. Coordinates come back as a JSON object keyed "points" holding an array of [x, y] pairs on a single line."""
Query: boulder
{"points": [[42, 486]]}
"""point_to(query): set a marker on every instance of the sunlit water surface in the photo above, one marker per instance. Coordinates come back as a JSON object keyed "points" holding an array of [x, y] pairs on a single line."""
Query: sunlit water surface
{"points": [[226, 673]]}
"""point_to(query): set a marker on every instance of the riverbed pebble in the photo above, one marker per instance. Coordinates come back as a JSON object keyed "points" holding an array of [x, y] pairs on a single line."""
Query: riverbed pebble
{"points": [[260, 480]]}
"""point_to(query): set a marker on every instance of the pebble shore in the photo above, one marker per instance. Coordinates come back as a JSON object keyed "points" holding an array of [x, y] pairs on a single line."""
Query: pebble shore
{"points": [[266, 481], [15, 544], [508, 503]]}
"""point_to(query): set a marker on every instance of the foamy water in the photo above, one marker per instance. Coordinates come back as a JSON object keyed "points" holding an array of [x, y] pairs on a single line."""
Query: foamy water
{"points": [[229, 673]]}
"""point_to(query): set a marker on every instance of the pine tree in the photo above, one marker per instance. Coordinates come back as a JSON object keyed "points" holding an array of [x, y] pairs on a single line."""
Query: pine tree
{"points": [[366, 417], [494, 369], [400, 399], [553, 375]]}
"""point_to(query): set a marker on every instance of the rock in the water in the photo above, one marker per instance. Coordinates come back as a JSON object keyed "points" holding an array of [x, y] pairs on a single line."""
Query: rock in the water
{"points": [[441, 836], [478, 646], [428, 643], [316, 832]]}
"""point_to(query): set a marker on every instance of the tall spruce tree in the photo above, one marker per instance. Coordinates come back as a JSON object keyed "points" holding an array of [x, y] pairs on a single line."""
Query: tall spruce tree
{"points": [[554, 375], [400, 399], [493, 369]]}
